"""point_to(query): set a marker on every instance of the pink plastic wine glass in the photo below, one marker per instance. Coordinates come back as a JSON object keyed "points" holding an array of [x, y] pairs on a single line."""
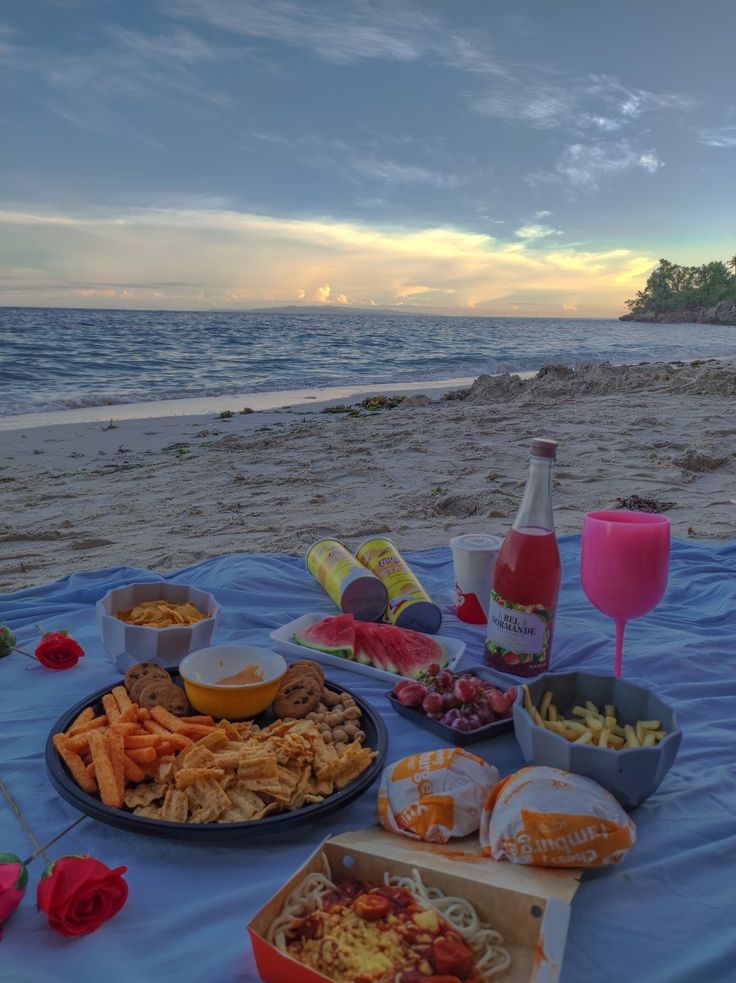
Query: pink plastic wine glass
{"points": [[624, 565]]}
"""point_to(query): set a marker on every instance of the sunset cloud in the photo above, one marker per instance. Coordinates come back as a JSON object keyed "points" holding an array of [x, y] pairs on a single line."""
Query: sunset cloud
{"points": [[227, 259]]}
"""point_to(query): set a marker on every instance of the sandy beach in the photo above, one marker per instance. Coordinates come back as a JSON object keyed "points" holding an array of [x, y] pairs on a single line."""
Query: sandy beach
{"points": [[166, 492]]}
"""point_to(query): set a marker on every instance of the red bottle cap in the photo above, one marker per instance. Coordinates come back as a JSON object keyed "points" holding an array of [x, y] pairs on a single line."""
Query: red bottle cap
{"points": [[541, 447]]}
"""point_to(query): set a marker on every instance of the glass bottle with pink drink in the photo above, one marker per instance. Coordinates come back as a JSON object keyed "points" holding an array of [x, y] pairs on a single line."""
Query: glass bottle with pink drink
{"points": [[526, 577]]}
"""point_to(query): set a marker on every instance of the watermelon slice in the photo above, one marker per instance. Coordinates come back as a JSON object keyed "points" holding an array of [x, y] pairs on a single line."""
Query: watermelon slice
{"points": [[398, 650], [335, 636], [371, 647]]}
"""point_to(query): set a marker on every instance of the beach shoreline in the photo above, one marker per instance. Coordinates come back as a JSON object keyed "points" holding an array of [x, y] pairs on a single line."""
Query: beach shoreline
{"points": [[165, 492]]}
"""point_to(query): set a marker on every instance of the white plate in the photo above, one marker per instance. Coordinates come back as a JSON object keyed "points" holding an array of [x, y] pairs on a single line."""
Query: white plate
{"points": [[284, 644]]}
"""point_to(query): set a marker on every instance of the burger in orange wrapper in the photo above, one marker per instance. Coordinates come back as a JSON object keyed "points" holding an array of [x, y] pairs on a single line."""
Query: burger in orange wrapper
{"points": [[551, 818], [435, 795]]}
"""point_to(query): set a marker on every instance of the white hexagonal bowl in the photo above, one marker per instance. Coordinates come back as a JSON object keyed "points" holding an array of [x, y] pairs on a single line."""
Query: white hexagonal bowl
{"points": [[128, 644]]}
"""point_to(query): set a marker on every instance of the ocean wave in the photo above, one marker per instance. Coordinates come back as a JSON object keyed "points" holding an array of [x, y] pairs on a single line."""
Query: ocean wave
{"points": [[49, 364]]}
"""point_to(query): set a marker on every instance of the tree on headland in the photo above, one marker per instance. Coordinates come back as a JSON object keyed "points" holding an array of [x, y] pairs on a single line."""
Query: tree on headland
{"points": [[672, 287]]}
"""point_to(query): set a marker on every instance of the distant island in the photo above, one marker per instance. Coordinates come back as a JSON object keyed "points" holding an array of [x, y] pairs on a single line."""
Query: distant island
{"points": [[675, 294]]}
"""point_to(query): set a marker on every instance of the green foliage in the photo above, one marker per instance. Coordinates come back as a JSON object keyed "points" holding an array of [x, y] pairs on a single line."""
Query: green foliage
{"points": [[672, 287]]}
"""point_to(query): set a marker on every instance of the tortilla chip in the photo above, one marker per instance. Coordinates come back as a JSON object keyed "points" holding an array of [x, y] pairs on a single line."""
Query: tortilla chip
{"points": [[207, 801]]}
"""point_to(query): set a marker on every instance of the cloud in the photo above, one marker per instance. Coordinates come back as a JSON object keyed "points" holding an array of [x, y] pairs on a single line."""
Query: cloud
{"points": [[198, 258], [536, 231], [362, 159], [394, 172], [545, 97], [723, 136], [93, 88], [344, 33], [335, 33], [583, 167]]}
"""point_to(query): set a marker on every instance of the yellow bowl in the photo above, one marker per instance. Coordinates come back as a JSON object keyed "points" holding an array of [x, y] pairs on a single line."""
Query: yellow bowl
{"points": [[201, 671]]}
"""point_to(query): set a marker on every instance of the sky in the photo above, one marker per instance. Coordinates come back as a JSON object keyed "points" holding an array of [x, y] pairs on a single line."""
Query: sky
{"points": [[461, 156]]}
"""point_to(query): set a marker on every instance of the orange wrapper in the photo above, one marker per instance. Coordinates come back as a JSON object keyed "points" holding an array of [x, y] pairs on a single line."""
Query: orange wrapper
{"points": [[551, 818], [435, 795]]}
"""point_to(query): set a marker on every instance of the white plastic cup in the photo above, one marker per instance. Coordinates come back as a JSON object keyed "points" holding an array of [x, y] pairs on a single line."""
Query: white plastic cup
{"points": [[473, 557]]}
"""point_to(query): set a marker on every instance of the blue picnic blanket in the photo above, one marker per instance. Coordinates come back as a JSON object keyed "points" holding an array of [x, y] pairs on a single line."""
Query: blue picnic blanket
{"points": [[665, 915]]}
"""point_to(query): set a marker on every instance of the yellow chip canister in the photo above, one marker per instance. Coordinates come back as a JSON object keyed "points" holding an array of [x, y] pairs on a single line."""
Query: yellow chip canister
{"points": [[353, 588], [409, 605]]}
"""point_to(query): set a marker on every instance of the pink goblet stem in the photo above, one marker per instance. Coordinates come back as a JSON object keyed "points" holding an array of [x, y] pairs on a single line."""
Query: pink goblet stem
{"points": [[619, 661]]}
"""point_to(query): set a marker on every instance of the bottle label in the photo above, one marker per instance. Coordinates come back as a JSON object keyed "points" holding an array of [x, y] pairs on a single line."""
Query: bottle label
{"points": [[518, 634]]}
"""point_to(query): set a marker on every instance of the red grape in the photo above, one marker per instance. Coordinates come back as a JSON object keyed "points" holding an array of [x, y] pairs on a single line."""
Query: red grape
{"points": [[499, 702], [401, 684], [412, 695], [451, 716], [486, 715], [432, 703], [511, 694], [444, 679], [464, 689]]}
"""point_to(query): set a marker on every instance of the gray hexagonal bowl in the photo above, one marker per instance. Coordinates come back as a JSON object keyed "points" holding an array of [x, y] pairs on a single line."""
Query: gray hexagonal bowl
{"points": [[127, 644], [631, 775]]}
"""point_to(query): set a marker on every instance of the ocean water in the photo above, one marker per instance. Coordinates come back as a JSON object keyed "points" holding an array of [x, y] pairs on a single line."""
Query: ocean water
{"points": [[52, 359]]}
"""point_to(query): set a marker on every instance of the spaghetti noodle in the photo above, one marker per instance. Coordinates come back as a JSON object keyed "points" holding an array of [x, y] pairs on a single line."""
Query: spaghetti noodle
{"points": [[402, 931]]}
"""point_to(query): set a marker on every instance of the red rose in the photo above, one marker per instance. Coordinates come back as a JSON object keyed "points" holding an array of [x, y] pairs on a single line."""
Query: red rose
{"points": [[78, 894], [13, 881], [57, 650]]}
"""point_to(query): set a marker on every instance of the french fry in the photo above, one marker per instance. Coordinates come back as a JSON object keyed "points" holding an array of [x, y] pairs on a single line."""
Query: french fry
{"points": [[650, 724], [630, 736], [591, 706], [603, 737], [165, 747], [129, 715], [586, 738], [79, 744], [154, 728], [536, 717], [639, 732], [649, 739], [90, 725], [106, 780], [117, 758], [201, 719], [178, 740], [527, 700], [544, 705], [575, 726], [142, 740], [616, 742], [133, 771], [143, 755], [610, 710], [84, 718], [552, 713], [197, 730], [580, 711], [75, 765], [144, 713], [593, 723], [167, 719], [122, 699], [111, 708]]}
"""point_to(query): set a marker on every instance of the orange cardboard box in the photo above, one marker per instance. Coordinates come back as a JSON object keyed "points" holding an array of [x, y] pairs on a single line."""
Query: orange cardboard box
{"points": [[529, 906]]}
